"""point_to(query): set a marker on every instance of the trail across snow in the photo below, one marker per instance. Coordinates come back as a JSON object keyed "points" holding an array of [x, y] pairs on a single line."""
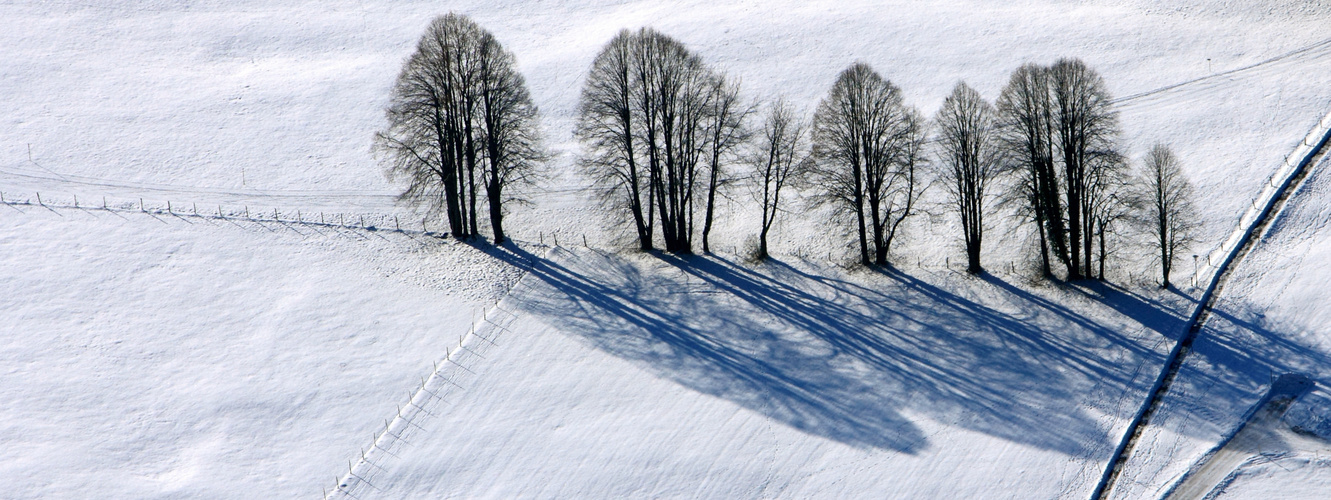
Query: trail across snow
{"points": [[1263, 326], [1252, 436]]}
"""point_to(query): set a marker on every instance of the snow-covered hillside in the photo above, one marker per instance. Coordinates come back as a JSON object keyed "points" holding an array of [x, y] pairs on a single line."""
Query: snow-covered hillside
{"points": [[250, 102], [155, 355], [159, 355]]}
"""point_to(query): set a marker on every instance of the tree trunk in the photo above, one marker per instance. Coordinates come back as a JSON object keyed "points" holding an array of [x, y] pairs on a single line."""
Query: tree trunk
{"points": [[1102, 251], [711, 202], [496, 209], [1045, 270]]}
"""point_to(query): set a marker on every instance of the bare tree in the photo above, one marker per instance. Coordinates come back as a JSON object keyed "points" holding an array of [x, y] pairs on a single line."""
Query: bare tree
{"points": [[459, 108], [727, 131], [1109, 203], [1086, 128], [607, 128], [1026, 127], [867, 144], [509, 128], [777, 159], [1167, 207], [969, 152], [1061, 116], [647, 120]]}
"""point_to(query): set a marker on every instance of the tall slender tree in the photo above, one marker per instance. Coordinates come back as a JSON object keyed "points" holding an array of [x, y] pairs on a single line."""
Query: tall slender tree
{"points": [[1026, 120], [509, 130], [778, 158], [968, 151], [608, 127], [1168, 212], [1086, 129], [726, 126]]}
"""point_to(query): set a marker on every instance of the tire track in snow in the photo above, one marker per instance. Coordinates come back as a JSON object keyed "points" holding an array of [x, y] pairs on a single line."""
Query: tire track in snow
{"points": [[1254, 221]]}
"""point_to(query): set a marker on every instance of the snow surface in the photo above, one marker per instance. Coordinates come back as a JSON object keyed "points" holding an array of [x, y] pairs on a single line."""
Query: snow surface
{"points": [[157, 355], [152, 356], [630, 376]]}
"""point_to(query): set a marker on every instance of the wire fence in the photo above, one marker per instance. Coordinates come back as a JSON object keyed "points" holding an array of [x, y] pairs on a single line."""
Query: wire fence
{"points": [[1293, 164], [366, 221], [366, 472]]}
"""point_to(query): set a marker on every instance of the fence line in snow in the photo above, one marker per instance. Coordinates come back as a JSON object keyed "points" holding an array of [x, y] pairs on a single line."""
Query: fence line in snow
{"points": [[367, 221], [1292, 164], [428, 399]]}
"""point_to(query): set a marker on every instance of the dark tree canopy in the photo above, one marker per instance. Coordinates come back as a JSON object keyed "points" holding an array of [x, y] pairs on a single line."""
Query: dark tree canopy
{"points": [[1059, 132], [460, 110], [867, 144], [656, 124]]}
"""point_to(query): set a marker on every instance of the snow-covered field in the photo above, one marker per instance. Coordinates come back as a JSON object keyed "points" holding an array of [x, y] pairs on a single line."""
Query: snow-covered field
{"points": [[640, 377], [156, 355]]}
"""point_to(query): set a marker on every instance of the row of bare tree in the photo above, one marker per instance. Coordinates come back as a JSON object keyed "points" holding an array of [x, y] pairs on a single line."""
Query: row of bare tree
{"points": [[664, 135], [1054, 136]]}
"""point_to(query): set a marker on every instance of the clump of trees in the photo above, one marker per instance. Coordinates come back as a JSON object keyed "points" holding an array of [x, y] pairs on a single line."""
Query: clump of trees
{"points": [[658, 126], [460, 118], [1060, 134]]}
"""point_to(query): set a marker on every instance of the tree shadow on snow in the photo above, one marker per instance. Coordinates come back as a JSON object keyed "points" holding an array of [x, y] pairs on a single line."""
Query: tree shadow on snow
{"points": [[857, 361], [1234, 362]]}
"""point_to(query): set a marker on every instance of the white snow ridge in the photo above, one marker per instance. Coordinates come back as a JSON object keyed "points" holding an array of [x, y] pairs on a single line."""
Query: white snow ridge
{"points": [[211, 289]]}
